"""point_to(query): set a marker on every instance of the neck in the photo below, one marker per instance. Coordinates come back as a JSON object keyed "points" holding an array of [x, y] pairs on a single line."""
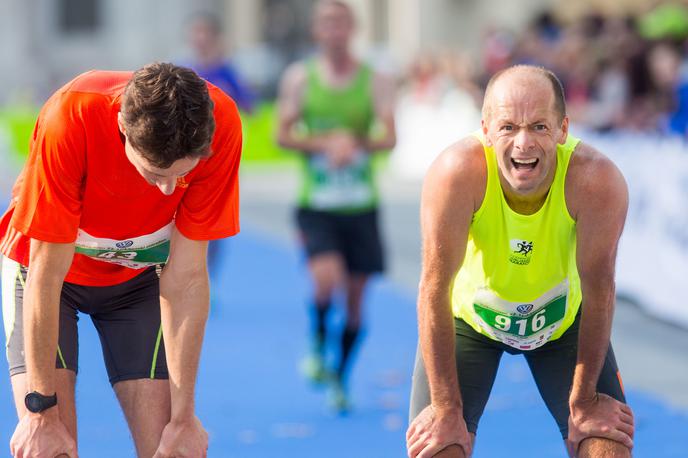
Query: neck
{"points": [[527, 204], [339, 62]]}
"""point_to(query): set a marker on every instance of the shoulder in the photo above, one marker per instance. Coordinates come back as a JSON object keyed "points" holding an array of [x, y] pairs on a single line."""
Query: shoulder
{"points": [[462, 159], [295, 75], [227, 119], [223, 104], [461, 170], [88, 91], [593, 180], [101, 82]]}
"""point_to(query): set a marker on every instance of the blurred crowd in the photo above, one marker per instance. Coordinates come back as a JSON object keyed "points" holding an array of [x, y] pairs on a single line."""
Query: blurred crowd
{"points": [[618, 72]]}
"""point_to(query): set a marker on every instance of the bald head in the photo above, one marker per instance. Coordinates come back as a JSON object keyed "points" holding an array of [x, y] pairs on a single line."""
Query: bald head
{"points": [[526, 78]]}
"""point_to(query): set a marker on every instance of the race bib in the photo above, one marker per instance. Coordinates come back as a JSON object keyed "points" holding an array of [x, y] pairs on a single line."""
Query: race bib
{"points": [[343, 187], [524, 326], [134, 253]]}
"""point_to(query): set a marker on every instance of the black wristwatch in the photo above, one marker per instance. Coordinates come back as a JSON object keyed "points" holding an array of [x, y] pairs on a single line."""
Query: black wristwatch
{"points": [[36, 402]]}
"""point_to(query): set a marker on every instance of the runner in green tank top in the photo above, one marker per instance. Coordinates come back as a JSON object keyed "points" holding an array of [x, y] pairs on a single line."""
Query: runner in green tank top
{"points": [[328, 106], [520, 227]]}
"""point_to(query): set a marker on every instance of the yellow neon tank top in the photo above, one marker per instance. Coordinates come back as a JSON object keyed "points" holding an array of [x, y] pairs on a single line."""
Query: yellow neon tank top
{"points": [[519, 282]]}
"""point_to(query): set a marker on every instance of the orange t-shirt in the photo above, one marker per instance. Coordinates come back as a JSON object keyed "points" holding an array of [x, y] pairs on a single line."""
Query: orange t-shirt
{"points": [[78, 186]]}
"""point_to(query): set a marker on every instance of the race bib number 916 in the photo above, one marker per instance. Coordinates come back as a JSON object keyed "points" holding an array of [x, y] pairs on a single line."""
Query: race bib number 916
{"points": [[524, 326]]}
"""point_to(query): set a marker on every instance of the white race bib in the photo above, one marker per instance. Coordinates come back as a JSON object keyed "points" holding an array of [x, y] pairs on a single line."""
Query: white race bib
{"points": [[134, 253], [524, 326], [340, 187]]}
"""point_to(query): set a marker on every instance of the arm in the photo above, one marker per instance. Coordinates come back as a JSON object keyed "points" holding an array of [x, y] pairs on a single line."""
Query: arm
{"points": [[49, 264], [599, 200], [44, 431], [289, 104], [339, 145], [451, 193], [383, 100], [184, 300]]}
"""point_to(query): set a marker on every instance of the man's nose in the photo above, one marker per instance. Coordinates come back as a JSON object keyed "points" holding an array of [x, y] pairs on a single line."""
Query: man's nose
{"points": [[523, 140]]}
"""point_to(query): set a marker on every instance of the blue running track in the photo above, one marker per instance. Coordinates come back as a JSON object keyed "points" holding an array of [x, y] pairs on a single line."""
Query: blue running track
{"points": [[254, 402]]}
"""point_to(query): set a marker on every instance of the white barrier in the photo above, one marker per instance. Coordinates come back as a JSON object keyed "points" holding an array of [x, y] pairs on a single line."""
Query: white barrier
{"points": [[652, 265]]}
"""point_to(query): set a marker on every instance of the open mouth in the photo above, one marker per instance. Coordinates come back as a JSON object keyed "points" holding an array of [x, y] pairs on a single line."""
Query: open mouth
{"points": [[525, 164]]}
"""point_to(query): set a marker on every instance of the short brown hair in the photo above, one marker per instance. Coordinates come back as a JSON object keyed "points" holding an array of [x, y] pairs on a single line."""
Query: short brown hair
{"points": [[557, 87], [168, 114]]}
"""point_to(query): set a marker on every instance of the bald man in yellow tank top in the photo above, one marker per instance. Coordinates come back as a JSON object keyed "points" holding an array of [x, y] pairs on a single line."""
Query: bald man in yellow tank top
{"points": [[521, 223]]}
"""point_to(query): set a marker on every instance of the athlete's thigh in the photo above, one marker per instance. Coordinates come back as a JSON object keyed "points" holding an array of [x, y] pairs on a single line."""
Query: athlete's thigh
{"points": [[13, 283], [553, 366], [13, 286], [129, 327], [361, 242], [147, 407], [477, 361], [318, 232]]}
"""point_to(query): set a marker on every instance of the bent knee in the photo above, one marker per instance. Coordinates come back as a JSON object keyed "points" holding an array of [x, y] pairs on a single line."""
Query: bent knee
{"points": [[598, 447]]}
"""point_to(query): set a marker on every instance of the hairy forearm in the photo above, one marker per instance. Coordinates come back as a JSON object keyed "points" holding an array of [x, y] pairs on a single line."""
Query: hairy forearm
{"points": [[48, 266], [41, 317], [593, 338], [184, 312], [436, 335]]}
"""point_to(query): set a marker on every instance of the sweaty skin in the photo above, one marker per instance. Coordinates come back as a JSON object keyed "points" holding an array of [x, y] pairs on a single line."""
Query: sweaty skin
{"points": [[522, 125]]}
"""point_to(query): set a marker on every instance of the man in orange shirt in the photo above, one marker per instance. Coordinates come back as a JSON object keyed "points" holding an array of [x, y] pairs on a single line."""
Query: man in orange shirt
{"points": [[126, 173]]}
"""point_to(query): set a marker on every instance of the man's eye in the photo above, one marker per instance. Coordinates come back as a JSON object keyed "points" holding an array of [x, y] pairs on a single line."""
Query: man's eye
{"points": [[540, 127], [507, 127]]}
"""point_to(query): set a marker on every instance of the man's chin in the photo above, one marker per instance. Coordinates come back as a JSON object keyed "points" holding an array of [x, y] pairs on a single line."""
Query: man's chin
{"points": [[523, 188]]}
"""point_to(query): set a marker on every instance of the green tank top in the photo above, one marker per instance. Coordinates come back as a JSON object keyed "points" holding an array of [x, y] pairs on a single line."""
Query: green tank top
{"points": [[519, 281], [349, 189]]}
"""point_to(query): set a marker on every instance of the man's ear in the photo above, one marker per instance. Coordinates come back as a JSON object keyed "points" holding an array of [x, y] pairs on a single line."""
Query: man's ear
{"points": [[564, 131], [120, 123], [483, 127]]}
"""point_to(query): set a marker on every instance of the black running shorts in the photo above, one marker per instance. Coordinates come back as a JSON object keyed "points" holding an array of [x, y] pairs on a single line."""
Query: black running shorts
{"points": [[126, 316], [552, 366], [355, 236]]}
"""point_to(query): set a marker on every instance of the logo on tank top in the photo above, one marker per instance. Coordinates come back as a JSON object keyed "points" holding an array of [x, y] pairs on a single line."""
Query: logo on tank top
{"points": [[521, 251]]}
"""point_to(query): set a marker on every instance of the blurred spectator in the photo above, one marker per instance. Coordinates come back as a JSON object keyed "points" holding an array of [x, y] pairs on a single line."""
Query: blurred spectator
{"points": [[437, 102], [210, 61], [425, 84], [497, 50], [618, 73]]}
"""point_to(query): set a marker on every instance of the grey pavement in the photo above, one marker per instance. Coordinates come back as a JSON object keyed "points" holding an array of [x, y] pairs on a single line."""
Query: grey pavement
{"points": [[652, 355]]}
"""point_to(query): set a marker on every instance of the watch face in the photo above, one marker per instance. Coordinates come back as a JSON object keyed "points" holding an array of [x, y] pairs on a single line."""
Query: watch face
{"points": [[33, 402]]}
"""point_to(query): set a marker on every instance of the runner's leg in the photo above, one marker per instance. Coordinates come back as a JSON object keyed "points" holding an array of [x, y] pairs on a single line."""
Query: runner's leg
{"points": [[327, 272], [127, 318], [356, 284], [477, 361], [13, 283], [146, 406], [553, 366]]}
